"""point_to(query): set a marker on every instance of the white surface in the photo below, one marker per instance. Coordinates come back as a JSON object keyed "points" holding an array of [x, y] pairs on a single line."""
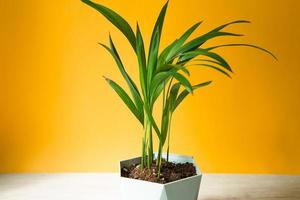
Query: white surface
{"points": [[92, 186]]}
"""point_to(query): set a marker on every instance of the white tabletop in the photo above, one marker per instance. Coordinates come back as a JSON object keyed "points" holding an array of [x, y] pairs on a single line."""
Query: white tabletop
{"points": [[105, 186]]}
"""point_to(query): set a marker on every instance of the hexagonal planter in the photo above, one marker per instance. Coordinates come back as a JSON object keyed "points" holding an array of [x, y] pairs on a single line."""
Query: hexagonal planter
{"points": [[184, 189]]}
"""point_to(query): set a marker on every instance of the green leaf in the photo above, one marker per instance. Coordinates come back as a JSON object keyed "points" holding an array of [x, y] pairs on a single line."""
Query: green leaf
{"points": [[140, 51], [206, 60], [163, 55], [167, 111], [181, 41], [152, 58], [183, 81], [192, 54], [126, 99], [184, 93], [155, 94], [132, 86], [168, 67], [115, 19], [230, 23], [195, 43], [160, 20], [246, 45], [160, 78], [173, 95], [213, 67], [156, 86], [154, 44]]}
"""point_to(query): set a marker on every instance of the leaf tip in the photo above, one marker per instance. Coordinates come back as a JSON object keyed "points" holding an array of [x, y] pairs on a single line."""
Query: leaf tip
{"points": [[274, 56], [245, 21], [109, 35], [103, 45], [228, 75], [105, 78]]}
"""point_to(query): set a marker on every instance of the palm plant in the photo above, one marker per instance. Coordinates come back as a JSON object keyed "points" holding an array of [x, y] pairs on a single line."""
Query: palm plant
{"points": [[163, 74]]}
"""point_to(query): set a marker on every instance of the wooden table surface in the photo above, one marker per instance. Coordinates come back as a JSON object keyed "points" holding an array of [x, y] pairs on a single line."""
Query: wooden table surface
{"points": [[105, 186]]}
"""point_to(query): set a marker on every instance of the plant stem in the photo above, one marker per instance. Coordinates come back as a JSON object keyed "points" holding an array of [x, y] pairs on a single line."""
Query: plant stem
{"points": [[169, 133], [169, 125], [169, 87], [144, 143], [158, 161], [147, 148], [150, 147], [159, 157], [164, 96], [143, 157]]}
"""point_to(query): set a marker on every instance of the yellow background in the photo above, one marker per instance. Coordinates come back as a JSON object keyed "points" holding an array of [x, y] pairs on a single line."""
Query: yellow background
{"points": [[58, 114]]}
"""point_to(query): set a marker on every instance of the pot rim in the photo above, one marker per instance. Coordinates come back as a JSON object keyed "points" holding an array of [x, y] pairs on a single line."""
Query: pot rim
{"points": [[199, 173]]}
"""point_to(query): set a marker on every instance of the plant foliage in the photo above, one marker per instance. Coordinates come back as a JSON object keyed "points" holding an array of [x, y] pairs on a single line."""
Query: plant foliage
{"points": [[163, 74]]}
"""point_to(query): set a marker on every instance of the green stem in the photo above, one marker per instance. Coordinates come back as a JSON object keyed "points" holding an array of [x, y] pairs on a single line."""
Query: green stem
{"points": [[144, 144], [169, 87], [164, 96], [169, 125], [150, 147], [144, 152], [169, 133], [159, 157], [158, 160]]}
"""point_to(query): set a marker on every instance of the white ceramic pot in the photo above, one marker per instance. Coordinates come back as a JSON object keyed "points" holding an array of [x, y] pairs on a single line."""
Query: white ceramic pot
{"points": [[184, 189]]}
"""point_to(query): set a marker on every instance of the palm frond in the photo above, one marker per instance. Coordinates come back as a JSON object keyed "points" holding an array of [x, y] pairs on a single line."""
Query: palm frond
{"points": [[140, 51], [116, 20], [240, 45], [125, 98], [154, 44], [173, 48], [184, 93], [132, 86], [204, 52]]}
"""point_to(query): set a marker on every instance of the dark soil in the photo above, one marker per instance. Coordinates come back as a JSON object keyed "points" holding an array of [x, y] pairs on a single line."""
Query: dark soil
{"points": [[169, 172]]}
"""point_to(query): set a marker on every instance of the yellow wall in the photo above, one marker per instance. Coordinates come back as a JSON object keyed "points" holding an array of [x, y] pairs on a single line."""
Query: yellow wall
{"points": [[57, 114]]}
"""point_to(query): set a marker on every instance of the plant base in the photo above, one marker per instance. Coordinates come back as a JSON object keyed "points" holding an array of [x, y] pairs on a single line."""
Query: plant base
{"points": [[187, 188]]}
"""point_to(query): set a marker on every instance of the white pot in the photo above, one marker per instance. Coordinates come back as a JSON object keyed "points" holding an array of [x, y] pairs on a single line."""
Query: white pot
{"points": [[184, 189]]}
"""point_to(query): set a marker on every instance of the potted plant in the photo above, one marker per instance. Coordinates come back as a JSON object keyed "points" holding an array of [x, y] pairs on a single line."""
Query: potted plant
{"points": [[162, 74]]}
